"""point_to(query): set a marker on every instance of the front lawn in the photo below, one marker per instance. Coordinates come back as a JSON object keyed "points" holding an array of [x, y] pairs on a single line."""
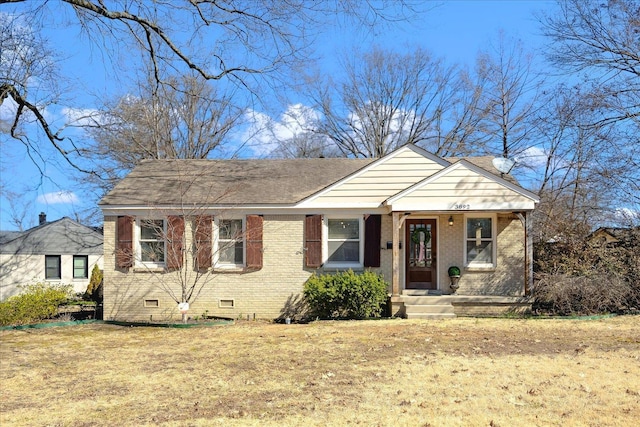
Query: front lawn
{"points": [[469, 372]]}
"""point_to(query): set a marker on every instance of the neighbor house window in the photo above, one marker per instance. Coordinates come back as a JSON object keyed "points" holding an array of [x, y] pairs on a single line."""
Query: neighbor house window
{"points": [[80, 266], [151, 242], [480, 250], [344, 243], [52, 267], [229, 243]]}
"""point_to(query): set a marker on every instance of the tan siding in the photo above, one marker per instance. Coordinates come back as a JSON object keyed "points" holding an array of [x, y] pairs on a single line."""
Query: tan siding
{"points": [[508, 277], [381, 181], [275, 290], [266, 293], [462, 186]]}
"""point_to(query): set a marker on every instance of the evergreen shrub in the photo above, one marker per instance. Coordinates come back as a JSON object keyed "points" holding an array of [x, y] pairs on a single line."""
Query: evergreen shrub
{"points": [[37, 302], [94, 289], [346, 295]]}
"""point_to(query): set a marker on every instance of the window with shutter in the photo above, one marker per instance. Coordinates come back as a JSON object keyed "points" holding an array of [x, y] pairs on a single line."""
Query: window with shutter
{"points": [[313, 241], [203, 238], [372, 236], [344, 242], [254, 241], [151, 242], [228, 243], [124, 243]]}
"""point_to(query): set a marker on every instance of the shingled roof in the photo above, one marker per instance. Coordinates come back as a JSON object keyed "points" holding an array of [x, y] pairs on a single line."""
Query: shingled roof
{"points": [[179, 182], [228, 182]]}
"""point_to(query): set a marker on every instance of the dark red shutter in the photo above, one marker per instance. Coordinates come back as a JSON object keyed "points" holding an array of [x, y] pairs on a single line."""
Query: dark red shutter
{"points": [[372, 235], [124, 242], [175, 237], [313, 241], [254, 242], [203, 237]]}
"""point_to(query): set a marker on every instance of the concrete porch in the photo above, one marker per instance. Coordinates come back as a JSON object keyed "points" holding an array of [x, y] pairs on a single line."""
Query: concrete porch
{"points": [[416, 304]]}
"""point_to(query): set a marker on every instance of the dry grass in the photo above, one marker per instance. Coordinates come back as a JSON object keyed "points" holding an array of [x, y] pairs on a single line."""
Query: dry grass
{"points": [[496, 372]]}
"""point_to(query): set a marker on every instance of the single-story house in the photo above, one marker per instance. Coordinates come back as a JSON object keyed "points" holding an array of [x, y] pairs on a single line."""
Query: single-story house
{"points": [[245, 235], [56, 252]]}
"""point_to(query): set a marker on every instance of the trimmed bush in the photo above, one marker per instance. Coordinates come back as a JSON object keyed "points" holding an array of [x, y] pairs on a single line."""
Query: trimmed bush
{"points": [[346, 295], [37, 302]]}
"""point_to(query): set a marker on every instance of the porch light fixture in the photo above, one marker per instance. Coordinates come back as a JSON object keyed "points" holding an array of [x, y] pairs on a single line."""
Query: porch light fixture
{"points": [[450, 220]]}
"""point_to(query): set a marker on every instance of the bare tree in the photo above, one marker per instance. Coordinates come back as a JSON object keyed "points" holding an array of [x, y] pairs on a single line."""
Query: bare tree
{"points": [[510, 96], [20, 213], [183, 119], [385, 100], [242, 42], [601, 40], [573, 167]]}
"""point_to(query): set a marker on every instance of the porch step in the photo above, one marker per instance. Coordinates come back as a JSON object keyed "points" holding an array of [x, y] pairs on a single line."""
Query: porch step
{"points": [[428, 307]]}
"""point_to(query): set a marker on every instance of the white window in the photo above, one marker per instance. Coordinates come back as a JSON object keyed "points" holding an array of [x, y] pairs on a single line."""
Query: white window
{"points": [[229, 243], [344, 243], [480, 241], [151, 242]]}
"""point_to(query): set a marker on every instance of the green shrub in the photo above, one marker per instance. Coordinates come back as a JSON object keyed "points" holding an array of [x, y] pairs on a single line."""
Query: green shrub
{"points": [[94, 289], [346, 295], [37, 302]]}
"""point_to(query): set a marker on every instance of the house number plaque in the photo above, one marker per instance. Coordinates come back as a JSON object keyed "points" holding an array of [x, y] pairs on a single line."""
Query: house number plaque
{"points": [[462, 207]]}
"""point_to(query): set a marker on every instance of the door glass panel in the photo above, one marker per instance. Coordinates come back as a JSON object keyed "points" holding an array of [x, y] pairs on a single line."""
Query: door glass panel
{"points": [[420, 245]]}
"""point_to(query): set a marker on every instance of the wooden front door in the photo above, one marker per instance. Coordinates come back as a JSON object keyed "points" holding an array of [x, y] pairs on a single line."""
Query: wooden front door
{"points": [[420, 253]]}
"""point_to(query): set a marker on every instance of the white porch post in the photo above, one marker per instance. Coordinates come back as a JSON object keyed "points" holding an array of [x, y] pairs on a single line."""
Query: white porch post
{"points": [[528, 287], [395, 256], [525, 218]]}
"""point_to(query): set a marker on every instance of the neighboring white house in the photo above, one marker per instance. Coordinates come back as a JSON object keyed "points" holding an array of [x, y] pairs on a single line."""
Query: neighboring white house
{"points": [[62, 251]]}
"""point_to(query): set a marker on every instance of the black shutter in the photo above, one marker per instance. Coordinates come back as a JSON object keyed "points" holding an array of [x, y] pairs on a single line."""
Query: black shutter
{"points": [[372, 235], [313, 241]]}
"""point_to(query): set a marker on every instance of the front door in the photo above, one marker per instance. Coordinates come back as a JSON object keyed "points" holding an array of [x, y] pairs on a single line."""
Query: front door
{"points": [[420, 253]]}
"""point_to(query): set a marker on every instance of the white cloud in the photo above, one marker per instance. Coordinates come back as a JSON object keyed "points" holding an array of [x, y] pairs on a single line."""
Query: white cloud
{"points": [[58, 197], [533, 157], [264, 132], [81, 116], [8, 109]]}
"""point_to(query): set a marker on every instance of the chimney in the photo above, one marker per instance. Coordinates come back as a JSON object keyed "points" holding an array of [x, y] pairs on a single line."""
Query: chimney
{"points": [[42, 218]]}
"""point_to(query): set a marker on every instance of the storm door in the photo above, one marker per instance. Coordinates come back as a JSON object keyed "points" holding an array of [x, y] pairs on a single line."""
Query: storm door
{"points": [[420, 253]]}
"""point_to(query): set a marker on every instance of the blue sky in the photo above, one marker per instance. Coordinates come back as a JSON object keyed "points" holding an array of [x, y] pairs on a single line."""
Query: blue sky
{"points": [[455, 30]]}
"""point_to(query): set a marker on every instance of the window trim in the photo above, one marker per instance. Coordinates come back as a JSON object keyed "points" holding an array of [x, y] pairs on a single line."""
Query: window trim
{"points": [[138, 251], [46, 274], [473, 265], [86, 267], [216, 244], [325, 242]]}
